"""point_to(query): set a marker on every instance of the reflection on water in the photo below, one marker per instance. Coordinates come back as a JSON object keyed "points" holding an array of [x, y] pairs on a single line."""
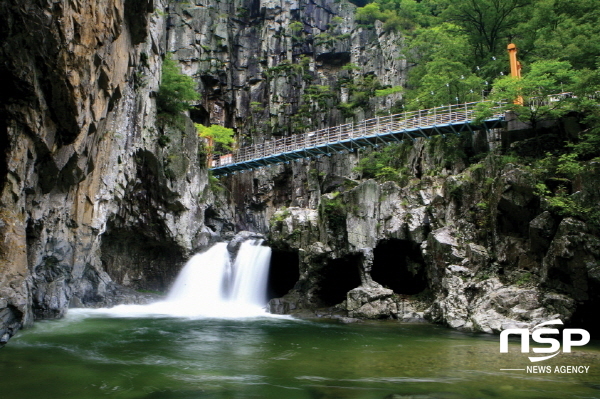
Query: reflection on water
{"points": [[90, 355]]}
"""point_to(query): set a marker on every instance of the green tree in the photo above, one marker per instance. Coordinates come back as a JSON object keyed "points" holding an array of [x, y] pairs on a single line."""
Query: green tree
{"points": [[442, 72], [385, 164], [176, 92], [540, 82], [404, 15], [370, 13], [456, 50], [219, 138], [561, 29], [488, 23]]}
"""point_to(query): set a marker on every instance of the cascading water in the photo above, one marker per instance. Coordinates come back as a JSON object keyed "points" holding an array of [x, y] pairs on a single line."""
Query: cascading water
{"points": [[201, 282], [250, 274], [208, 286]]}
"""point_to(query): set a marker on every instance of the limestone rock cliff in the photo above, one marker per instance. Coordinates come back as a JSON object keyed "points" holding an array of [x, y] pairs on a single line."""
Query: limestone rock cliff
{"points": [[96, 195], [90, 199], [470, 247], [271, 68]]}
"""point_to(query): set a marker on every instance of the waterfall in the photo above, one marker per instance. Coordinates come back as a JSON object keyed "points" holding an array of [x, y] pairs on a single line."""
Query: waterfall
{"points": [[209, 286], [250, 274], [202, 280]]}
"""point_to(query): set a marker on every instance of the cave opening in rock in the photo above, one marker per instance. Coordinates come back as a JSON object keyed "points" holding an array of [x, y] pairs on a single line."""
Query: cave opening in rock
{"points": [[284, 272], [138, 260], [199, 114], [399, 265], [334, 59], [586, 317], [338, 277], [586, 313]]}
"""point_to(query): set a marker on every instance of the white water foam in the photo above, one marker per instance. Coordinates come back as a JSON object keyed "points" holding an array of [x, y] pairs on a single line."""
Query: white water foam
{"points": [[251, 272], [208, 286]]}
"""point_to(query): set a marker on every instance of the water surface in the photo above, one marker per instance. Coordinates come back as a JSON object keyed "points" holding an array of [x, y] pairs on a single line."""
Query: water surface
{"points": [[95, 355]]}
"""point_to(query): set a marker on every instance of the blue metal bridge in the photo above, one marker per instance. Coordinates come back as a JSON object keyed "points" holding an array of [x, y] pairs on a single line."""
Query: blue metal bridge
{"points": [[451, 119]]}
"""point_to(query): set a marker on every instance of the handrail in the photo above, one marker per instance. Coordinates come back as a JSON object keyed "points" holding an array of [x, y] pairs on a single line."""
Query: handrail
{"points": [[449, 114]]}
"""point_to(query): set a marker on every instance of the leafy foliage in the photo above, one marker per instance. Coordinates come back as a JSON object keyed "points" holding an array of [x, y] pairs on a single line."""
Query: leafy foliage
{"points": [[214, 184], [561, 30], [559, 172], [361, 91], [177, 91], [388, 91], [457, 48], [400, 15], [540, 89], [541, 79], [486, 23], [334, 210], [350, 67], [296, 27], [387, 164], [220, 138], [442, 73], [457, 53]]}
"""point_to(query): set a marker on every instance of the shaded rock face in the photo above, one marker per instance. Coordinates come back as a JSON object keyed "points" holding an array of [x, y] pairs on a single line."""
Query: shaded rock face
{"points": [[90, 201], [272, 69], [472, 248]]}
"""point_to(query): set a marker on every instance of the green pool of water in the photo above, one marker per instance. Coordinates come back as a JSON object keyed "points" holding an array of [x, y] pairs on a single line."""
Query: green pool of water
{"points": [[96, 356]]}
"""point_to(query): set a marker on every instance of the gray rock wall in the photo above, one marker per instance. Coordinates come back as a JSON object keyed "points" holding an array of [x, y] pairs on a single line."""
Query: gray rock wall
{"points": [[94, 200], [90, 200], [276, 68], [492, 255]]}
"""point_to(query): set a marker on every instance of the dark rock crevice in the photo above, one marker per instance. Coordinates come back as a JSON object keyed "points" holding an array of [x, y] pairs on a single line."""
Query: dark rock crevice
{"points": [[474, 247], [81, 170], [399, 266], [337, 277], [136, 16], [5, 146], [284, 272], [10, 322], [139, 260]]}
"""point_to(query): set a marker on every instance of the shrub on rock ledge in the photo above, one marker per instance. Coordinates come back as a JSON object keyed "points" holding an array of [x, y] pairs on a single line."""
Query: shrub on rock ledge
{"points": [[177, 91]]}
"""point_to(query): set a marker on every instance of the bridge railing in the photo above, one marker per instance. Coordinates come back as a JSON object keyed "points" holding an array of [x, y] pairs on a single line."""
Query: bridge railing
{"points": [[423, 118]]}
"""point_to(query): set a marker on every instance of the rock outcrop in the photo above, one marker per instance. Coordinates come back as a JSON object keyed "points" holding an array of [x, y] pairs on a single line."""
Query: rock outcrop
{"points": [[273, 68], [91, 201], [96, 193], [472, 248]]}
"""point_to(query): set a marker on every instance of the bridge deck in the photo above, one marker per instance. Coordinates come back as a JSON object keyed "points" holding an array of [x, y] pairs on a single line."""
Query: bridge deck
{"points": [[452, 119]]}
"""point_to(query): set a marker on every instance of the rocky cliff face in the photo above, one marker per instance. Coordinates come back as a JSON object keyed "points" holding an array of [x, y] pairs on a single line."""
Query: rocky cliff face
{"points": [[273, 68], [470, 247], [90, 199], [93, 198]]}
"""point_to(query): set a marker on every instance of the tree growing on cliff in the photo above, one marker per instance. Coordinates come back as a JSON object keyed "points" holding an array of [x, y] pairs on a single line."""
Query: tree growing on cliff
{"points": [[219, 139], [176, 92]]}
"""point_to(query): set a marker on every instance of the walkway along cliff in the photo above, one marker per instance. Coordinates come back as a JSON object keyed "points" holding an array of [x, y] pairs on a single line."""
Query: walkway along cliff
{"points": [[101, 199]]}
